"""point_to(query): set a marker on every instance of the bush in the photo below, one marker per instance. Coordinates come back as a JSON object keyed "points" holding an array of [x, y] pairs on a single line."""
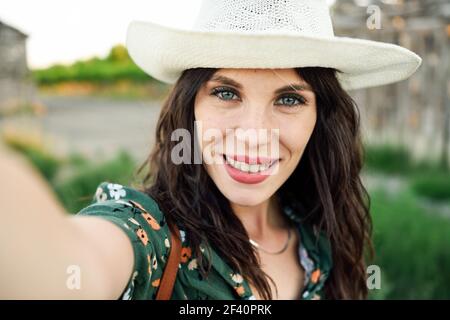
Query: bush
{"points": [[387, 158], [392, 159], [412, 248], [116, 66], [77, 191], [435, 186], [33, 149]]}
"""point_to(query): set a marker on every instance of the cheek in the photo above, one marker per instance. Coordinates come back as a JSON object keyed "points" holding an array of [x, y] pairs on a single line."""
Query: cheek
{"points": [[210, 133], [209, 116], [199, 111], [212, 126], [294, 136]]}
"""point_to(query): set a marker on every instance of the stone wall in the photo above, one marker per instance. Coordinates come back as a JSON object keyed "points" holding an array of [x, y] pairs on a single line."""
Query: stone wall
{"points": [[16, 87]]}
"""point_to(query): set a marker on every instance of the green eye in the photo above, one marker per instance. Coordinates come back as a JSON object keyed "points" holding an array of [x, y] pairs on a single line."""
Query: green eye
{"points": [[291, 100], [224, 93]]}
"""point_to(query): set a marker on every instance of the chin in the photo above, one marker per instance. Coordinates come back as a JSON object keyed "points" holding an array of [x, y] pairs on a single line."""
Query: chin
{"points": [[245, 196]]}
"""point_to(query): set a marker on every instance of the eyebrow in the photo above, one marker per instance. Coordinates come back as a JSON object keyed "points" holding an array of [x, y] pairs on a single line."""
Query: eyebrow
{"points": [[289, 87]]}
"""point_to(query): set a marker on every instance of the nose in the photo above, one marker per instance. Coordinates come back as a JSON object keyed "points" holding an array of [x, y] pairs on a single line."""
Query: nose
{"points": [[256, 132], [255, 116]]}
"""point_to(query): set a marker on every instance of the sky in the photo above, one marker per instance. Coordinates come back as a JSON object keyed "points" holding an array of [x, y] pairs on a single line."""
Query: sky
{"points": [[62, 31]]}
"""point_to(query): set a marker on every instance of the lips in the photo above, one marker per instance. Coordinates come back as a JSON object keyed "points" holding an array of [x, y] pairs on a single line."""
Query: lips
{"points": [[248, 160], [250, 170]]}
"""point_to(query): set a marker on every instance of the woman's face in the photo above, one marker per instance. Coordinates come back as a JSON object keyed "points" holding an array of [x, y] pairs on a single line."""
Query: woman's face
{"points": [[253, 126]]}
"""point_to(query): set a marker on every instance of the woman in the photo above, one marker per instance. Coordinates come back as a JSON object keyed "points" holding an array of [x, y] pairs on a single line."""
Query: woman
{"points": [[257, 162]]}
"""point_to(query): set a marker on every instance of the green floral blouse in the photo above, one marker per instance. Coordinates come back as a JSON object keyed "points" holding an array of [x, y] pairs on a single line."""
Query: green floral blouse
{"points": [[139, 216]]}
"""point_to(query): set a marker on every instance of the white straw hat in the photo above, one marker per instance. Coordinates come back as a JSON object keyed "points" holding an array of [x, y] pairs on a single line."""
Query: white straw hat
{"points": [[266, 34]]}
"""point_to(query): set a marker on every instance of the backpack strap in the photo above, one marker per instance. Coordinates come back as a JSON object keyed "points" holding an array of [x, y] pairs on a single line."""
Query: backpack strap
{"points": [[171, 269]]}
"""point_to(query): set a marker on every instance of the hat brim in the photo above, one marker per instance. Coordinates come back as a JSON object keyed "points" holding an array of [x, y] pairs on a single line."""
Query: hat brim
{"points": [[164, 52]]}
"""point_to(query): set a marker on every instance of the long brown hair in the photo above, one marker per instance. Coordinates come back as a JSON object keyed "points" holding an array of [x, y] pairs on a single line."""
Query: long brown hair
{"points": [[326, 186]]}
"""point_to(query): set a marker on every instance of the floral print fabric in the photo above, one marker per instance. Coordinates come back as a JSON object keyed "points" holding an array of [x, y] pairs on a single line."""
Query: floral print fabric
{"points": [[139, 216]]}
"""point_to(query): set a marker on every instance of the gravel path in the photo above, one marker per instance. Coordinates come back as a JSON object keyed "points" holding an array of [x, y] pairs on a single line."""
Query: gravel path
{"points": [[95, 127]]}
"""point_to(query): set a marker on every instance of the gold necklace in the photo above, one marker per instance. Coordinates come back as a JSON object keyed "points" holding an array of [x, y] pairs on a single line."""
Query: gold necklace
{"points": [[258, 246]]}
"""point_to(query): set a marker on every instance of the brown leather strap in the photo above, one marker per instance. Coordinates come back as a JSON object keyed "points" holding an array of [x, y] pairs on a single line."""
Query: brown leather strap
{"points": [[171, 269]]}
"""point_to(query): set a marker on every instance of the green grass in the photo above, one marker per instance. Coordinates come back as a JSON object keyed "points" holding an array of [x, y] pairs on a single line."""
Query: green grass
{"points": [[412, 248]]}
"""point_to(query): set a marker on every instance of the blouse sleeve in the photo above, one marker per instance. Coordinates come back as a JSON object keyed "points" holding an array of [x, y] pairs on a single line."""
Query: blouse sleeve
{"points": [[141, 221]]}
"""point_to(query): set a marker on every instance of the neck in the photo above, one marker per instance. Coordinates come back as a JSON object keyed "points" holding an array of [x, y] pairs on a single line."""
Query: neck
{"points": [[261, 220]]}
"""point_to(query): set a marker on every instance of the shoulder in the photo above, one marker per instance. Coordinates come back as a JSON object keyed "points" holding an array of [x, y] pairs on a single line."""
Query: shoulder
{"points": [[116, 195], [133, 210], [140, 217]]}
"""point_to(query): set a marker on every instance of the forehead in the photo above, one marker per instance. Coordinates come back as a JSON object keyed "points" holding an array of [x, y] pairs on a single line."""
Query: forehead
{"points": [[258, 77]]}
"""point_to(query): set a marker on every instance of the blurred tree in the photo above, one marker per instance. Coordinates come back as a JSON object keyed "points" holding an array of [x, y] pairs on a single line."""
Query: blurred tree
{"points": [[118, 53]]}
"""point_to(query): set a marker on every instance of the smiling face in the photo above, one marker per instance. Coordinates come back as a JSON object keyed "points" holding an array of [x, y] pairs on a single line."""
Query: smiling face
{"points": [[261, 121]]}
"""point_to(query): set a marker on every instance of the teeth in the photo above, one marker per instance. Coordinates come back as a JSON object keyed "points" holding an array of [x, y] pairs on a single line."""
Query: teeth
{"points": [[245, 167]]}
